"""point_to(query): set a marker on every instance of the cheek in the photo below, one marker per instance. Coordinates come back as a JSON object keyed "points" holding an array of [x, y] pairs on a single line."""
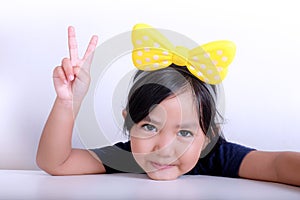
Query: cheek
{"points": [[192, 155], [140, 149], [140, 145]]}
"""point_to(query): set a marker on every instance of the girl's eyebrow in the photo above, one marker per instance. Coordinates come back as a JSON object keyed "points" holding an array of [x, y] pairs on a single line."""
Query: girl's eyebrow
{"points": [[185, 125], [190, 125], [152, 120]]}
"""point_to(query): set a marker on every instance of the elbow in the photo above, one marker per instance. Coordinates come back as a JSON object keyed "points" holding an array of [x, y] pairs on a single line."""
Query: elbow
{"points": [[44, 165], [49, 170], [39, 161], [287, 168]]}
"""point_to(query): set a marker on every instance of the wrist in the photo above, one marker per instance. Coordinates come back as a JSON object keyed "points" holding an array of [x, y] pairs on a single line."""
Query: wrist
{"points": [[69, 104]]}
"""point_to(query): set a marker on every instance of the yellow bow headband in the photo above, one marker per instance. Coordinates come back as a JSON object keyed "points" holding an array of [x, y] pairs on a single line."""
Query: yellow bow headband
{"points": [[153, 51]]}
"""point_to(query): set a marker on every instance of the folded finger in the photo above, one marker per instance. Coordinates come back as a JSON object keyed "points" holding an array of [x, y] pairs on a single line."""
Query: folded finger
{"points": [[59, 74], [68, 69], [76, 70]]}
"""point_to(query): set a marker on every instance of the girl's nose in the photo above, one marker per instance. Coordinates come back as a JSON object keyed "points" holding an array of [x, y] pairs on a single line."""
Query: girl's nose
{"points": [[165, 144]]}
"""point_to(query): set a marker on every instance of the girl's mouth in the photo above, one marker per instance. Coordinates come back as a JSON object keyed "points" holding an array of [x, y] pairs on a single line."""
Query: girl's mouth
{"points": [[160, 166]]}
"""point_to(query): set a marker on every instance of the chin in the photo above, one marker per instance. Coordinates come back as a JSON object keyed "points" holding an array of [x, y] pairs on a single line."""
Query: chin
{"points": [[162, 176]]}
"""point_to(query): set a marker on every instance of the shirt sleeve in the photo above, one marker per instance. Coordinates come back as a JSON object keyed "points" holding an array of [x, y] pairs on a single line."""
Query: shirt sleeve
{"points": [[224, 160], [118, 158]]}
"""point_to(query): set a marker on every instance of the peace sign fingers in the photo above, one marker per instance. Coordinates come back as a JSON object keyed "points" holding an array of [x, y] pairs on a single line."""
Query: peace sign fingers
{"points": [[73, 48]]}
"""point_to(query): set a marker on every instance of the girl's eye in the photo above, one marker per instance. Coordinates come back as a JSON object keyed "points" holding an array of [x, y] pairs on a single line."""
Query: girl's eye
{"points": [[149, 127], [184, 133]]}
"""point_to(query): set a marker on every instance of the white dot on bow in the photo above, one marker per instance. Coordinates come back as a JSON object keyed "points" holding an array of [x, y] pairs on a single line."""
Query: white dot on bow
{"points": [[146, 37], [138, 42], [156, 44], [155, 57], [220, 69], [139, 62], [165, 53], [224, 58], [200, 74], [203, 66], [217, 77], [165, 62], [156, 65], [139, 53], [206, 55]]}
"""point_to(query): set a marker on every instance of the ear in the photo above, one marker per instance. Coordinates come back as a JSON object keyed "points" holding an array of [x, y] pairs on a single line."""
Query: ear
{"points": [[124, 113]]}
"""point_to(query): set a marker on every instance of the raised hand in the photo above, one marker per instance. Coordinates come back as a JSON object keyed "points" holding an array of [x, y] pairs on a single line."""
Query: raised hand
{"points": [[72, 78]]}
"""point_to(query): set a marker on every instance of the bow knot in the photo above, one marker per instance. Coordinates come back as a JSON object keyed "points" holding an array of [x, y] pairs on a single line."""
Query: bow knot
{"points": [[180, 56], [153, 51]]}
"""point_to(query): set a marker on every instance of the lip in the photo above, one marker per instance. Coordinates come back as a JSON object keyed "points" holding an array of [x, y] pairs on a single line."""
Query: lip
{"points": [[160, 166]]}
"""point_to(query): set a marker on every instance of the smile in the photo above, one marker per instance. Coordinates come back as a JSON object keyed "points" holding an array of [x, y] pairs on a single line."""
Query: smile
{"points": [[161, 166]]}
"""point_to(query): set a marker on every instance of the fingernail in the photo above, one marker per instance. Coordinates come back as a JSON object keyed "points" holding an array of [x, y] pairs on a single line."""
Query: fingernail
{"points": [[71, 77]]}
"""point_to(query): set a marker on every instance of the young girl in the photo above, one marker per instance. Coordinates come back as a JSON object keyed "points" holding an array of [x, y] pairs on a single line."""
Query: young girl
{"points": [[171, 118]]}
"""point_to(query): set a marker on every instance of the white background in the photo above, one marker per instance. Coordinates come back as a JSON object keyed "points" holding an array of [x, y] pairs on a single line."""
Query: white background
{"points": [[262, 95]]}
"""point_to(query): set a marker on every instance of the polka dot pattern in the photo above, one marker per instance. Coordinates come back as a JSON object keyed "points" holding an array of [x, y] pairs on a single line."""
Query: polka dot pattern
{"points": [[153, 51]]}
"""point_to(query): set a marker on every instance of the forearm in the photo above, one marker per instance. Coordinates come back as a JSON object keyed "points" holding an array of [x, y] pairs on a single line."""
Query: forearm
{"points": [[288, 168], [56, 141]]}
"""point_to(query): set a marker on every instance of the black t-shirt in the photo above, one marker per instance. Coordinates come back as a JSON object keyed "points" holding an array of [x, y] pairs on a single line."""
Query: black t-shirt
{"points": [[224, 159]]}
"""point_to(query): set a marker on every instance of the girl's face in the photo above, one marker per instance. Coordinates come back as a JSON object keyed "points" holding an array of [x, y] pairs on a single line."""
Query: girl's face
{"points": [[168, 142]]}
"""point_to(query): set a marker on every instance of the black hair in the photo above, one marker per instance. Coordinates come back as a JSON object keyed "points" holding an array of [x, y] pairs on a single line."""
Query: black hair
{"points": [[151, 88]]}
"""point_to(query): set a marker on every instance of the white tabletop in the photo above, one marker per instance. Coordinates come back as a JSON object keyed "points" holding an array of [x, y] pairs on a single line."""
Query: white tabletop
{"points": [[22, 184]]}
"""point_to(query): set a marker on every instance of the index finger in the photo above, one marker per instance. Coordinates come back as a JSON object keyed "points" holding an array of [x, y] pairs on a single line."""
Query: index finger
{"points": [[88, 56], [73, 48], [91, 47]]}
